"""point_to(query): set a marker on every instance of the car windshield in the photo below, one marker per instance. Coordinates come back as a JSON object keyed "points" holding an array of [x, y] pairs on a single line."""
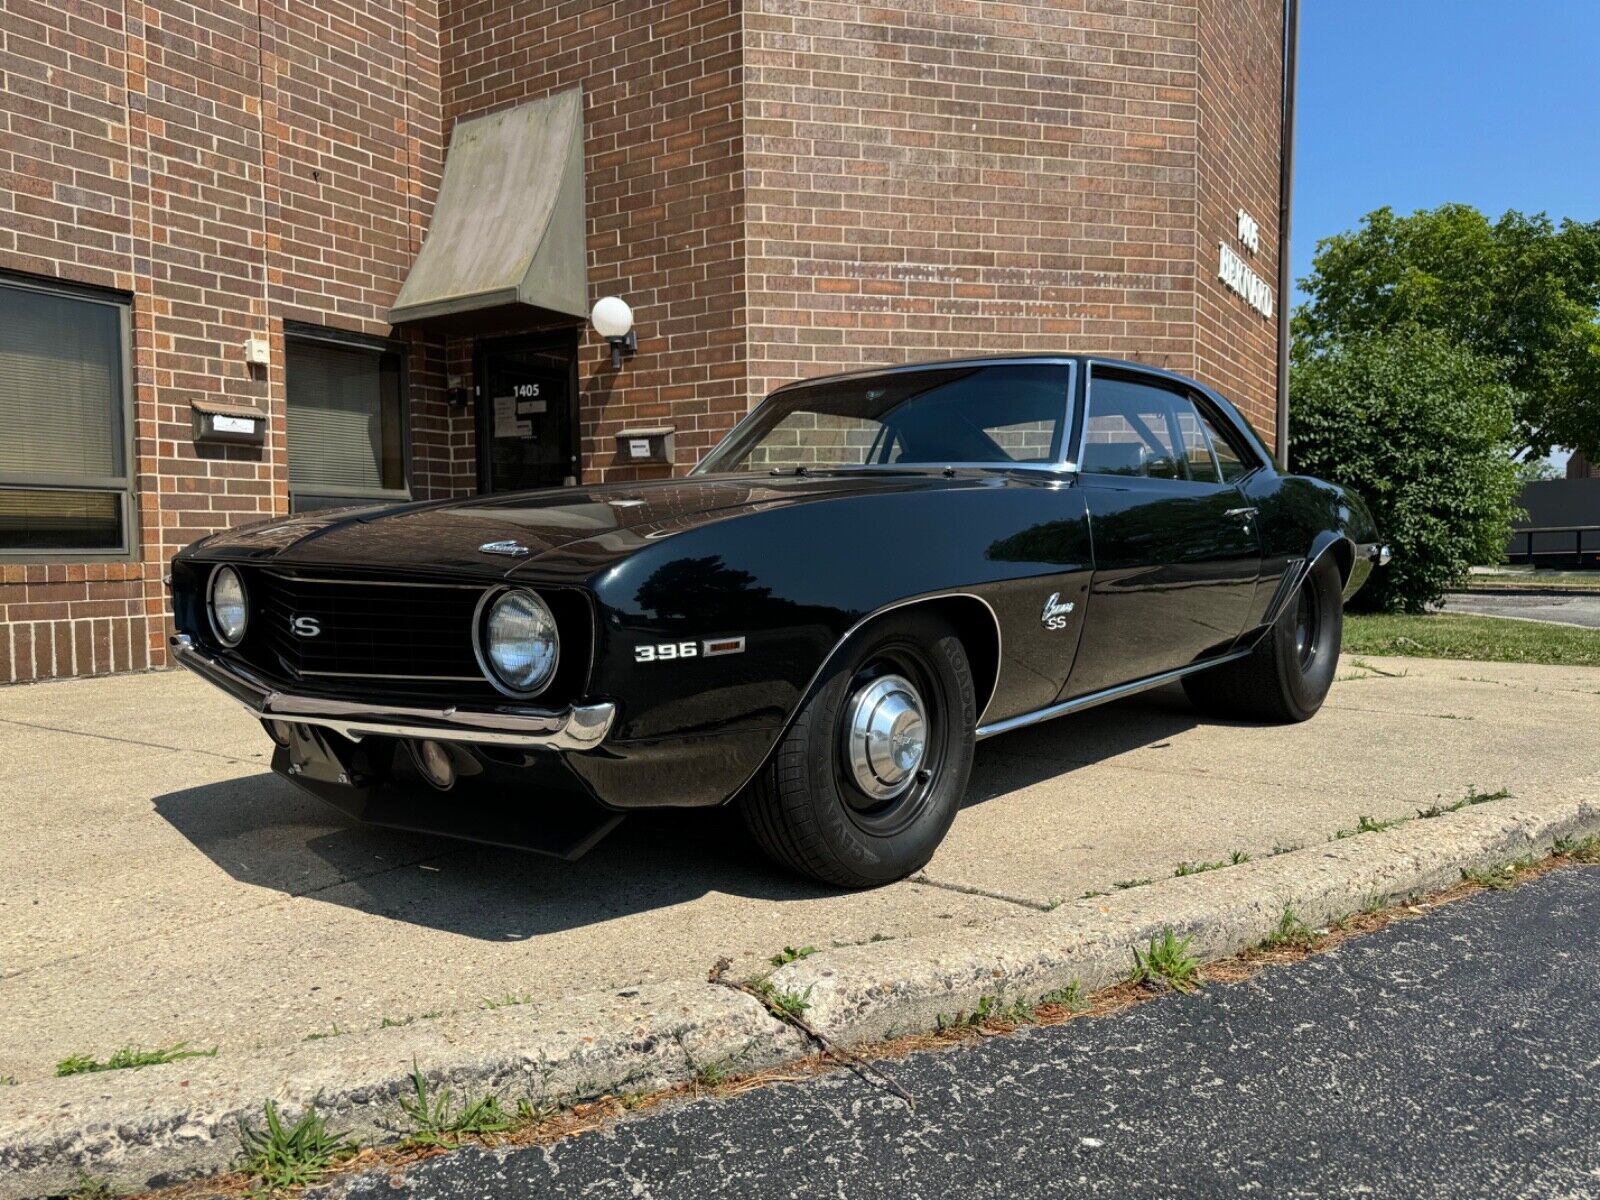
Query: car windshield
{"points": [[1001, 414]]}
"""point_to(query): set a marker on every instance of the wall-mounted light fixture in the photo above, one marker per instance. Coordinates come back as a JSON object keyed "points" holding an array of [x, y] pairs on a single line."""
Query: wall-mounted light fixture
{"points": [[613, 320]]}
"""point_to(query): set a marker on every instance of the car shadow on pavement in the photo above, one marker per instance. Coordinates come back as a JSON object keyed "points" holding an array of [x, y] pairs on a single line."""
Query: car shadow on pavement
{"points": [[264, 832]]}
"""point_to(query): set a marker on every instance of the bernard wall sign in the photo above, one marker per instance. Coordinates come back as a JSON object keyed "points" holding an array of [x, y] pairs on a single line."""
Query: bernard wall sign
{"points": [[1236, 273]]}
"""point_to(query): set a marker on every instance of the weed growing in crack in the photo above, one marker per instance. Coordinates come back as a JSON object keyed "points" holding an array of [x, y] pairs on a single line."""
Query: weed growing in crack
{"points": [[129, 1058], [437, 1120], [509, 1000], [90, 1187], [1070, 998], [280, 1155], [789, 954], [1473, 796], [1291, 931], [1167, 959], [782, 1003]]}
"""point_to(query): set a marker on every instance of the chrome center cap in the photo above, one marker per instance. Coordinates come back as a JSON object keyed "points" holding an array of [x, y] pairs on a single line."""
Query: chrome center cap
{"points": [[886, 731]]}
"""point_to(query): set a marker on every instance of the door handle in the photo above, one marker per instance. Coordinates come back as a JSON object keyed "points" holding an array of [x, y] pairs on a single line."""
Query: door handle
{"points": [[1246, 513]]}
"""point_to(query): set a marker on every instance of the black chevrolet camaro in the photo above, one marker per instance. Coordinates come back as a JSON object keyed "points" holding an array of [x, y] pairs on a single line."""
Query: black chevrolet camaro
{"points": [[872, 572]]}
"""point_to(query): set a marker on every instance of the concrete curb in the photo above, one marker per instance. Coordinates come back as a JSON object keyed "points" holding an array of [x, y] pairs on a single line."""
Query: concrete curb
{"points": [[1512, 589], [159, 1125], [868, 993], [162, 1124]]}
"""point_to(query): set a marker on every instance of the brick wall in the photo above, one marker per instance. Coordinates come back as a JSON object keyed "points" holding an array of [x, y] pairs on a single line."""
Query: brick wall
{"points": [[664, 192], [931, 180], [779, 189], [1241, 80], [226, 165]]}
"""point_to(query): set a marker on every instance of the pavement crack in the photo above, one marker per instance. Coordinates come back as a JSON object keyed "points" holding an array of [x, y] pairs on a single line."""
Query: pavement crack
{"points": [[967, 889], [127, 741]]}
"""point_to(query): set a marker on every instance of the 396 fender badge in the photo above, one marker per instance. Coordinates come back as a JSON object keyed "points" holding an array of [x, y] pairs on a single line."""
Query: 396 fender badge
{"points": [[508, 548], [1055, 611]]}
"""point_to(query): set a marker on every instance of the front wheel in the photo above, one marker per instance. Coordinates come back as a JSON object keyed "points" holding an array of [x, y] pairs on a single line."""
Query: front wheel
{"points": [[1288, 674], [864, 785]]}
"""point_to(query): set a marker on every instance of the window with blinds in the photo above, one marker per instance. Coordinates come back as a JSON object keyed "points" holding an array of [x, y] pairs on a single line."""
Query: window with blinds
{"points": [[64, 423], [346, 423]]}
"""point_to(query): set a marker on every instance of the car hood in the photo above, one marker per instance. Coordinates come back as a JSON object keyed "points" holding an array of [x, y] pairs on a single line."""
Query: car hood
{"points": [[447, 536]]}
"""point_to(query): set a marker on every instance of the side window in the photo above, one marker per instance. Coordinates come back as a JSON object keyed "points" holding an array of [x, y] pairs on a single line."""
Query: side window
{"points": [[1131, 429], [1196, 442], [1233, 464]]}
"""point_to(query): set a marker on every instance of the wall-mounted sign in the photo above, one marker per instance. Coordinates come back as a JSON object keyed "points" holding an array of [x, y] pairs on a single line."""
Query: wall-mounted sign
{"points": [[653, 445], [1237, 274], [216, 421]]}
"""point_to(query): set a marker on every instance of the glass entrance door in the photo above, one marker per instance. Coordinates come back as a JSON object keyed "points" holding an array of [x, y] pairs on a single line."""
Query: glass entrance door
{"points": [[527, 399]]}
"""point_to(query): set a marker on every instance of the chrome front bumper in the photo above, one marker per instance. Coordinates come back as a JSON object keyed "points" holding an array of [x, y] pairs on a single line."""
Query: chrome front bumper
{"points": [[580, 727]]}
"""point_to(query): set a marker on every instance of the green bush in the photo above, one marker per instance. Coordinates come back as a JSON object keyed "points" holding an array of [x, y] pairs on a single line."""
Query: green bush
{"points": [[1421, 428]]}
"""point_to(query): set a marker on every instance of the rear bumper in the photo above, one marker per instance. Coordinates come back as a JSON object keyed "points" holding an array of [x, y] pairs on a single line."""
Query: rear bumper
{"points": [[578, 727]]}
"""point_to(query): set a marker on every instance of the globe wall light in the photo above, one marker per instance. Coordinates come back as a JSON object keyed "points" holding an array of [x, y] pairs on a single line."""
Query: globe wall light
{"points": [[613, 320]]}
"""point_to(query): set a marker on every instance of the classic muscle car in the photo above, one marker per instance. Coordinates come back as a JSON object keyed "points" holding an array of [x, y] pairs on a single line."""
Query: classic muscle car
{"points": [[871, 572]]}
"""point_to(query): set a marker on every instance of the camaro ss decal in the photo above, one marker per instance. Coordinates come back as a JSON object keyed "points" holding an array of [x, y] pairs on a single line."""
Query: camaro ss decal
{"points": [[306, 627], [1055, 612], [668, 651]]}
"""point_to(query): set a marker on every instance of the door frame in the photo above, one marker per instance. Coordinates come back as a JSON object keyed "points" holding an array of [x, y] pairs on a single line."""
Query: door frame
{"points": [[560, 339]]}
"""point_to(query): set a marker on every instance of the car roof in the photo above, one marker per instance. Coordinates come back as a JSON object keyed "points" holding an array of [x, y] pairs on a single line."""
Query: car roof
{"points": [[1229, 410], [988, 360]]}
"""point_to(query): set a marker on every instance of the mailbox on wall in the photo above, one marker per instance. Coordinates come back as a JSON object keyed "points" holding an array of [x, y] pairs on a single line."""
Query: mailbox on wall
{"points": [[235, 424], [645, 446]]}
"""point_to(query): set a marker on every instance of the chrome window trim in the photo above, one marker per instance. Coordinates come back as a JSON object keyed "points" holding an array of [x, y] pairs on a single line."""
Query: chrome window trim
{"points": [[1166, 381], [1065, 463]]}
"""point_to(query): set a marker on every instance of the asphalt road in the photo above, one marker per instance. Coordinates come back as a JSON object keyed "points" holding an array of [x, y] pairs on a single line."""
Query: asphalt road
{"points": [[1457, 1055], [1564, 610]]}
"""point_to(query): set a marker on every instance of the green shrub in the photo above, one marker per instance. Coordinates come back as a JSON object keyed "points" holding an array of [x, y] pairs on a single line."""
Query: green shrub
{"points": [[1421, 429]]}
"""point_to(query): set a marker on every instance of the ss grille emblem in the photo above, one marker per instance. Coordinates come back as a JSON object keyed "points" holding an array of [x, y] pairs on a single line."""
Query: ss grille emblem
{"points": [[306, 627]]}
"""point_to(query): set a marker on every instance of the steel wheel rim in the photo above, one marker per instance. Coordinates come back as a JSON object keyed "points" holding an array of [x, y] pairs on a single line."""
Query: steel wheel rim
{"points": [[1307, 626], [895, 686]]}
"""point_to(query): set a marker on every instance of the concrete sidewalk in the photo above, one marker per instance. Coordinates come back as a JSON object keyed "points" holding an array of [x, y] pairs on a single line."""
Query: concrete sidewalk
{"points": [[158, 885]]}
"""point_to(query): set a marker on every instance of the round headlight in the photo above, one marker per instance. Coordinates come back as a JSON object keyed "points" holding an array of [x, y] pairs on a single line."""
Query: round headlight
{"points": [[519, 642], [230, 612]]}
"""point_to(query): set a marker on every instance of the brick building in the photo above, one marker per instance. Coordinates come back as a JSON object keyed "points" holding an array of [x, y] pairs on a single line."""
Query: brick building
{"points": [[209, 209]]}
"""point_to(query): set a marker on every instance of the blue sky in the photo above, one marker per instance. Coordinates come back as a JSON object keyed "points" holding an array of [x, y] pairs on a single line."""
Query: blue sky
{"points": [[1412, 103]]}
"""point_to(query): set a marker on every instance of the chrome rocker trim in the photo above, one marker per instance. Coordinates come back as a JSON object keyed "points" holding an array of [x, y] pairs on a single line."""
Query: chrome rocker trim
{"points": [[579, 727], [1122, 690]]}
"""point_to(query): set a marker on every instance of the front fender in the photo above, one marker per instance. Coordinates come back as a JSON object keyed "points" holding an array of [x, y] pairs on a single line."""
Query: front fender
{"points": [[791, 583]]}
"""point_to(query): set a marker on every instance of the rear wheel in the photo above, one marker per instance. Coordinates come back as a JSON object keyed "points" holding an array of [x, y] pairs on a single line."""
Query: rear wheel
{"points": [[1287, 676], [867, 780]]}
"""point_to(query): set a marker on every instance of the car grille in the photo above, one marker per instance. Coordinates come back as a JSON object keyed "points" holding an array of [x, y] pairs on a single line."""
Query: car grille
{"points": [[365, 629], [390, 638]]}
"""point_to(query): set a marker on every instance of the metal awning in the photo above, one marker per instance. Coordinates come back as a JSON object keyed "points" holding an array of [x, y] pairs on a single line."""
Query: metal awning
{"points": [[507, 239]]}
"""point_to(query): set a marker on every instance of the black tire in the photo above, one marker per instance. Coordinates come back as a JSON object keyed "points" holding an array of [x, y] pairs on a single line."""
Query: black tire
{"points": [[1287, 676], [805, 808]]}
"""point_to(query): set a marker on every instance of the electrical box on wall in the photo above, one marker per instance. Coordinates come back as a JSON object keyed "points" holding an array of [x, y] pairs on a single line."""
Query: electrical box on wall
{"points": [[236, 424], [257, 351], [642, 446]]}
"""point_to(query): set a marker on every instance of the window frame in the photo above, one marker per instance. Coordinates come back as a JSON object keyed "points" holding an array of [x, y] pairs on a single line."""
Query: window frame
{"points": [[1180, 387], [320, 335], [1070, 429], [123, 486]]}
